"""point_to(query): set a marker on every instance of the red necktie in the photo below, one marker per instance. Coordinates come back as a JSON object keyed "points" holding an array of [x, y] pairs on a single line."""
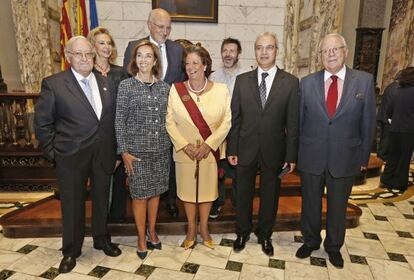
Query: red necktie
{"points": [[332, 97]]}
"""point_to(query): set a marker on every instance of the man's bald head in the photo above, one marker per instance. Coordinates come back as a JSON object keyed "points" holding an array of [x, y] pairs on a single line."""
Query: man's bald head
{"points": [[157, 13], [159, 25]]}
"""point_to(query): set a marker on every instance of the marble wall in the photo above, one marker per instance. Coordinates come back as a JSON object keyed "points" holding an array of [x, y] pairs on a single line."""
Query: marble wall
{"points": [[241, 19], [400, 50], [8, 54], [32, 40]]}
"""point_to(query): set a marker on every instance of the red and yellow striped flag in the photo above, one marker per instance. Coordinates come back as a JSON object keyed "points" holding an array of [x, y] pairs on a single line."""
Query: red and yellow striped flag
{"points": [[82, 20], [65, 33]]}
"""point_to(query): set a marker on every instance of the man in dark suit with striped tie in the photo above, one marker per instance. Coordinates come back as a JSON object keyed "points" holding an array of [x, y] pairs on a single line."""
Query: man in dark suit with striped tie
{"points": [[263, 136], [336, 130]]}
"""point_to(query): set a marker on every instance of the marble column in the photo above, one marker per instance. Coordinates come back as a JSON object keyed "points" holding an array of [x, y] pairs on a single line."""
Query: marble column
{"points": [[400, 53], [290, 35], [32, 39], [3, 86], [306, 23]]}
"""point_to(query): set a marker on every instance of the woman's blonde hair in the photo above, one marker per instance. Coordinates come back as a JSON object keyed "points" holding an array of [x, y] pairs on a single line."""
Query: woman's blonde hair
{"points": [[102, 30]]}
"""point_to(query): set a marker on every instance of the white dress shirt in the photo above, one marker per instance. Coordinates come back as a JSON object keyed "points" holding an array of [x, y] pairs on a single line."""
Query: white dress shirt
{"points": [[340, 81], [94, 87], [269, 79], [164, 60]]}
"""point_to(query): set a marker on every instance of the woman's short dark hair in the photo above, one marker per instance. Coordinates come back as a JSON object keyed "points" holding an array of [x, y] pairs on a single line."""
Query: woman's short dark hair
{"points": [[202, 53], [133, 67], [406, 77]]}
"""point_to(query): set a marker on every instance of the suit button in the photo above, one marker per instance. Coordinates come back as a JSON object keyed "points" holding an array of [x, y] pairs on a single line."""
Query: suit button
{"points": [[330, 122]]}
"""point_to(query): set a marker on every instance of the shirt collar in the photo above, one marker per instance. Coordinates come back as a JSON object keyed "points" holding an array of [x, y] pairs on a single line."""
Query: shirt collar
{"points": [[272, 71], [233, 70], [155, 42], [340, 74], [79, 77]]}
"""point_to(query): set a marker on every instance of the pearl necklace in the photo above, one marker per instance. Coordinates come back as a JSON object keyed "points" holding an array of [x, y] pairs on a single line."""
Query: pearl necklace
{"points": [[153, 80], [198, 91]]}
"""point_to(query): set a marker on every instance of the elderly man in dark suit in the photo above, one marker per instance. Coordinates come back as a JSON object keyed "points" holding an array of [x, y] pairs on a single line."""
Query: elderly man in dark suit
{"points": [[263, 136], [336, 130], [74, 122], [159, 26]]}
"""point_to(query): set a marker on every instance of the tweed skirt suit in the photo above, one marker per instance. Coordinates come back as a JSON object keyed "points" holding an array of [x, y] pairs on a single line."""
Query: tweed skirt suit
{"points": [[140, 130]]}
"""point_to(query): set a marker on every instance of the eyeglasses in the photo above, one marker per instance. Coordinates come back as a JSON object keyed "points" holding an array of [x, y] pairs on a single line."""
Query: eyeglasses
{"points": [[267, 47], [162, 27], [80, 55], [333, 50]]}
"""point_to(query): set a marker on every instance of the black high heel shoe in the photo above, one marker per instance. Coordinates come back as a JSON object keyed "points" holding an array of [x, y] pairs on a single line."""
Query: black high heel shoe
{"points": [[142, 255], [151, 245]]}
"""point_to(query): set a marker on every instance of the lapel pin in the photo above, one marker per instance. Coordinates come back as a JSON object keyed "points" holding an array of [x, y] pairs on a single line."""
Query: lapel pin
{"points": [[104, 88]]}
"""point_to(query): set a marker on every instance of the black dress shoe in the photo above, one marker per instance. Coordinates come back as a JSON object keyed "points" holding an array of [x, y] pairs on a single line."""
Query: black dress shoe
{"points": [[335, 258], [67, 264], [267, 246], [172, 210], [110, 249], [240, 243], [305, 251]]}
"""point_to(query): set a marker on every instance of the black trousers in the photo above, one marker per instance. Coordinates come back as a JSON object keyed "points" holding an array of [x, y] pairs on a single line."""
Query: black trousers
{"points": [[72, 174], [119, 194], [338, 191], [269, 198], [396, 169]]}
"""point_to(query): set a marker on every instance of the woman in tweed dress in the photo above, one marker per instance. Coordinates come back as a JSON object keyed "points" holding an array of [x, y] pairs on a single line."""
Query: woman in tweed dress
{"points": [[142, 139]]}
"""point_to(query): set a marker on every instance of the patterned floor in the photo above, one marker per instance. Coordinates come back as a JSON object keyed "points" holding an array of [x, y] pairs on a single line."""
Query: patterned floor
{"points": [[382, 247]]}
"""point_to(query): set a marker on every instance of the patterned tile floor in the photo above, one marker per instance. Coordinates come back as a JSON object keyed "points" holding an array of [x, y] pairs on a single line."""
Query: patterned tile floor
{"points": [[382, 247]]}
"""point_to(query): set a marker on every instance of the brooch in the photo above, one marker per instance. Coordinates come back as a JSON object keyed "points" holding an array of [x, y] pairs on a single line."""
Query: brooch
{"points": [[185, 97]]}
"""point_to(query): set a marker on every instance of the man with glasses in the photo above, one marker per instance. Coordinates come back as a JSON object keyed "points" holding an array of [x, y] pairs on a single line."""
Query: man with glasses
{"points": [[74, 122], [159, 26], [336, 130], [263, 137]]}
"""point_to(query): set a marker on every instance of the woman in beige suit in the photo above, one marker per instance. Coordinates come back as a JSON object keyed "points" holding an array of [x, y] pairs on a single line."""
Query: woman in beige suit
{"points": [[188, 99]]}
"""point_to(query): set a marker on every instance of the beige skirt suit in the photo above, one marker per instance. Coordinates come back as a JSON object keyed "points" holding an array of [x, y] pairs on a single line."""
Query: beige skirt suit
{"points": [[214, 105]]}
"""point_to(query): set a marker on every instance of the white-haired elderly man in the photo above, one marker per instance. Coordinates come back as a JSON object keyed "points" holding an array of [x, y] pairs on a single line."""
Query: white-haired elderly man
{"points": [[74, 122], [336, 130]]}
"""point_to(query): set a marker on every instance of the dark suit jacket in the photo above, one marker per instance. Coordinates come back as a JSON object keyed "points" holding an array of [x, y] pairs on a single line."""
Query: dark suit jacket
{"points": [[272, 131], [401, 110], [65, 122], [116, 74], [175, 71], [341, 144]]}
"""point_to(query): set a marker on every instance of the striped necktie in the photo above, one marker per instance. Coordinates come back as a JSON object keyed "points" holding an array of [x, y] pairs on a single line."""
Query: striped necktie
{"points": [[262, 89]]}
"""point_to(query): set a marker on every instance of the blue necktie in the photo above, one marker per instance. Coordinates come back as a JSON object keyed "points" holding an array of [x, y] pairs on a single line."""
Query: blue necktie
{"points": [[262, 89]]}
